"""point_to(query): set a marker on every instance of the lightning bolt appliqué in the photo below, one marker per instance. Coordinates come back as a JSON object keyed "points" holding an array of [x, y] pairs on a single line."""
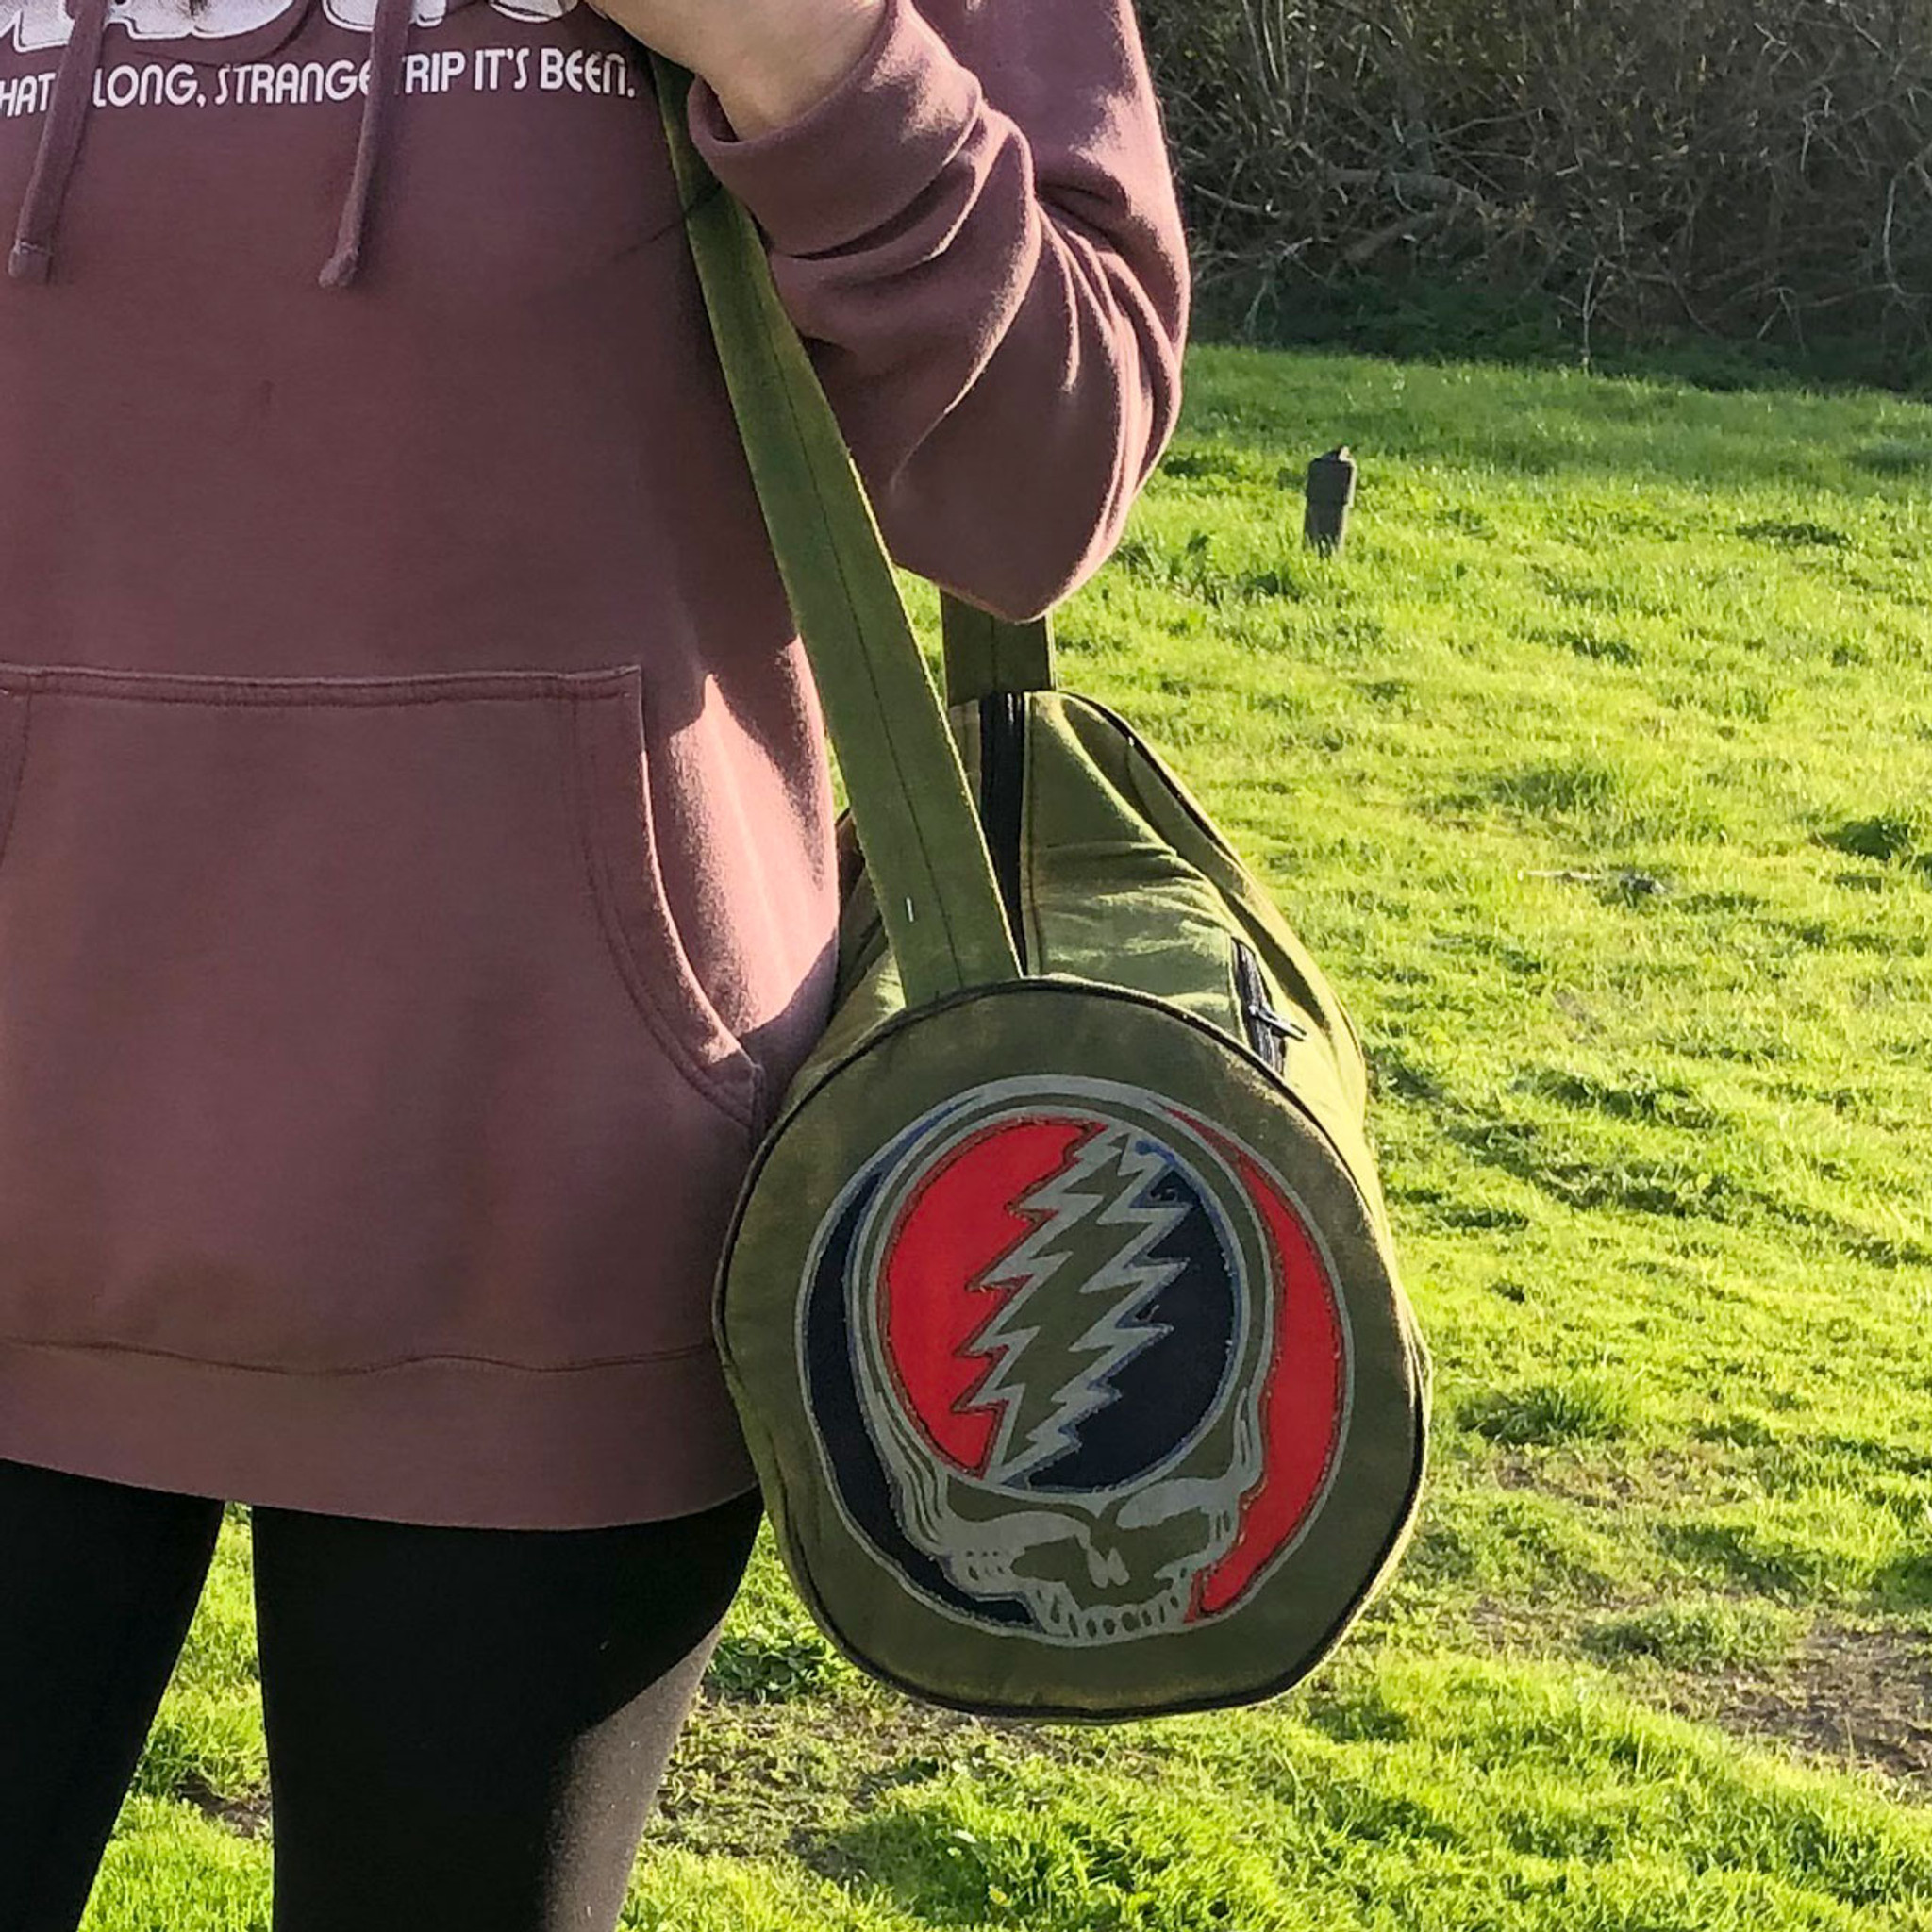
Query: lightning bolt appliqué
{"points": [[1076, 1285]]}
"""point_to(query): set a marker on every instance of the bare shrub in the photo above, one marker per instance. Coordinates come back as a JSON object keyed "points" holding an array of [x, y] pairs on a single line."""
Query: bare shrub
{"points": [[1743, 168]]}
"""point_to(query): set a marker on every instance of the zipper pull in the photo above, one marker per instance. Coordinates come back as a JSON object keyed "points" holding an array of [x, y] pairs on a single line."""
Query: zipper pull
{"points": [[1278, 1022]]}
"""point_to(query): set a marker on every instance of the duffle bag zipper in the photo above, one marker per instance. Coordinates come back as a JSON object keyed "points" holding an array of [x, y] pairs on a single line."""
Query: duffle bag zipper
{"points": [[1002, 793], [1002, 790]]}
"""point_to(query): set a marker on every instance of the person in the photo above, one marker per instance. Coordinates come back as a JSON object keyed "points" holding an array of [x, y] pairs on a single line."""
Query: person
{"points": [[417, 871]]}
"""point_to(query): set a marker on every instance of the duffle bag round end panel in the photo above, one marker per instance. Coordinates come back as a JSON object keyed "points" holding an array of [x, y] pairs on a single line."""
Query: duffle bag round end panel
{"points": [[1058, 1302], [1073, 1395]]}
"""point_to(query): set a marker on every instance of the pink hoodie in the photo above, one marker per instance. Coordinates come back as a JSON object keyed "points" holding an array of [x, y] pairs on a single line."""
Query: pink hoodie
{"points": [[416, 871]]}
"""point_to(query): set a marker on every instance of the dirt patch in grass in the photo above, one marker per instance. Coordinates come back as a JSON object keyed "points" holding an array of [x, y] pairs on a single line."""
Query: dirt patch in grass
{"points": [[755, 1779], [1850, 1697], [246, 1816], [1854, 1698]]}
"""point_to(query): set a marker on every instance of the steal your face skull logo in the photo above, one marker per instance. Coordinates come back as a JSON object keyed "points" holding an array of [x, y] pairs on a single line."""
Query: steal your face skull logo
{"points": [[1075, 1362]]}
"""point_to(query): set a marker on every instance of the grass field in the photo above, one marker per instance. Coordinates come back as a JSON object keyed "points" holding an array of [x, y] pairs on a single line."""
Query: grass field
{"points": [[1599, 773]]}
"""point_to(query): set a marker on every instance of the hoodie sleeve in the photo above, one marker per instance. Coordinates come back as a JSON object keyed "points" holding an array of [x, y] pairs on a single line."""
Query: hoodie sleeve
{"points": [[976, 233]]}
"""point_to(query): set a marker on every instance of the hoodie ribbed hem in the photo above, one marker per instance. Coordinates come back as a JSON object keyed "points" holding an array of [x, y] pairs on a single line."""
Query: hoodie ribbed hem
{"points": [[453, 1443]]}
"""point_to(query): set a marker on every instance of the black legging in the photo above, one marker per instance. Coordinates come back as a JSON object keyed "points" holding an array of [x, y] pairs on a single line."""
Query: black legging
{"points": [[466, 1727]]}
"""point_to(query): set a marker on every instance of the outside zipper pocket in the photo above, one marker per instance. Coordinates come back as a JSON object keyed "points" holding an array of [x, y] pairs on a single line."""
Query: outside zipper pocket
{"points": [[1268, 1031]]}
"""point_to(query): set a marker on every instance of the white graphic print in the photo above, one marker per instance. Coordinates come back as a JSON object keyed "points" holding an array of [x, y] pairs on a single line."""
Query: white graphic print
{"points": [[198, 81], [37, 25], [1104, 1319]]}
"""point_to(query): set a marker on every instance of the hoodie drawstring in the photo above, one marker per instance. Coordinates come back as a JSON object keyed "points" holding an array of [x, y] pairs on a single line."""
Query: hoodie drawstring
{"points": [[32, 258], [388, 39]]}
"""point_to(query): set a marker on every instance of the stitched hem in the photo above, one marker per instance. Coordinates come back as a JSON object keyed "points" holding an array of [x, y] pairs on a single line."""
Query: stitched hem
{"points": [[382, 1367], [102, 684], [460, 1443]]}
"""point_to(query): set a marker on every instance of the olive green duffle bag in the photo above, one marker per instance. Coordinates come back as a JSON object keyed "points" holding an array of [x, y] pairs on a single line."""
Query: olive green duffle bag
{"points": [[1059, 1303]]}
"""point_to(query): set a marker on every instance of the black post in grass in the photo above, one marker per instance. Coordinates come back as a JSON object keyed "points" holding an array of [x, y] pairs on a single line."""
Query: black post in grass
{"points": [[1331, 490]]}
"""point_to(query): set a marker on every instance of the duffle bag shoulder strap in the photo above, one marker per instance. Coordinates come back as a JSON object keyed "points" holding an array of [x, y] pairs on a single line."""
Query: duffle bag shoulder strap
{"points": [[910, 802], [987, 654]]}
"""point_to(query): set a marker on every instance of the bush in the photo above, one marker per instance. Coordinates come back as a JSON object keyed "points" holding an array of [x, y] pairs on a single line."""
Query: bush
{"points": [[1586, 173]]}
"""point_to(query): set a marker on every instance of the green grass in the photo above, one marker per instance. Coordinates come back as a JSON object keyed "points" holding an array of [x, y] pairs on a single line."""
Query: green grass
{"points": [[1597, 771]]}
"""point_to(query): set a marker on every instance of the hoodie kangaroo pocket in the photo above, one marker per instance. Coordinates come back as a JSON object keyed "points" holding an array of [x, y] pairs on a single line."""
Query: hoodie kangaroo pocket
{"points": [[344, 1023]]}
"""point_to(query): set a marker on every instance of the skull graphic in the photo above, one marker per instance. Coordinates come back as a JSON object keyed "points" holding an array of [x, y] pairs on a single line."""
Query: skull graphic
{"points": [[1071, 1422]]}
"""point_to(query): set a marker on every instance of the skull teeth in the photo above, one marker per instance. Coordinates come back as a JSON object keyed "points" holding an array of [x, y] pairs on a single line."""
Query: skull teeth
{"points": [[1067, 1621], [1117, 1622]]}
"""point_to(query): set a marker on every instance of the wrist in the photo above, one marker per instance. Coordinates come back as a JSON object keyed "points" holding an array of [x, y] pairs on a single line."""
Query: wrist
{"points": [[782, 74]]}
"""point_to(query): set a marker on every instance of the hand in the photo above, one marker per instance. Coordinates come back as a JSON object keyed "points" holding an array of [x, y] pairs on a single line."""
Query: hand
{"points": [[767, 60]]}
